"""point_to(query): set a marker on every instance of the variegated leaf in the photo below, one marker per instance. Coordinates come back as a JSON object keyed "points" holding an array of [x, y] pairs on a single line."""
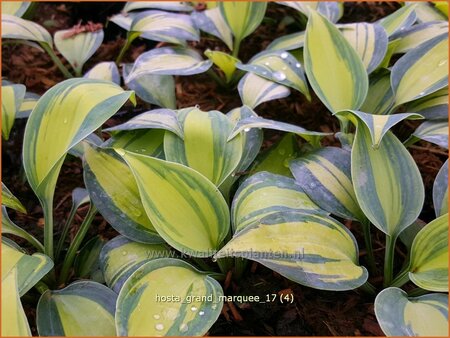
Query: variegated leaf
{"points": [[164, 26], [434, 132], [432, 107], [205, 147], [14, 320], [259, 122], [173, 193], [12, 98], [440, 191], [64, 116], [369, 40], [242, 17], [255, 90], [276, 159], [225, 62], [177, 6], [16, 8], [334, 69], [195, 306], [378, 125], [325, 177], [421, 71], [329, 9], [429, 256], [77, 49], [400, 315], [212, 22], [148, 142], [114, 192], [288, 42], [11, 201], [381, 97], [168, 61], [414, 36], [390, 192], [265, 193], [152, 88], [426, 12], [107, 71], [312, 250], [165, 119], [9, 227], [280, 67], [30, 269], [401, 19], [14, 27], [120, 257], [84, 308], [29, 102]]}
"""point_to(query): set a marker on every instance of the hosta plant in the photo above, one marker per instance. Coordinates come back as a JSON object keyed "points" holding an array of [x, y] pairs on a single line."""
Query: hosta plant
{"points": [[194, 198]]}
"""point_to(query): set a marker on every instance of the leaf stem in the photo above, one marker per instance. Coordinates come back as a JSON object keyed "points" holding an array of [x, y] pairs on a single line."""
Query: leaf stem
{"points": [[56, 60], [65, 231], [389, 260], [216, 78], [368, 288], [236, 46], [239, 267], [41, 287], [368, 243], [48, 228], [402, 278], [131, 36], [75, 245], [417, 292]]}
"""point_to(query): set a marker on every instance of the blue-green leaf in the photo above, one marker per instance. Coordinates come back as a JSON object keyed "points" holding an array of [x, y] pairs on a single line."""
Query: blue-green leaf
{"points": [[434, 132], [310, 249], [120, 257], [195, 306], [334, 69], [154, 119], [255, 90], [440, 191], [278, 66], [400, 315], [152, 88], [212, 22], [399, 20], [325, 177], [84, 308], [421, 71], [107, 71], [169, 61], [114, 192], [265, 193]]}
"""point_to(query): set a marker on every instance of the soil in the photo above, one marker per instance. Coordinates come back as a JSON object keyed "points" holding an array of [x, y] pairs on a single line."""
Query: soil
{"points": [[312, 312]]}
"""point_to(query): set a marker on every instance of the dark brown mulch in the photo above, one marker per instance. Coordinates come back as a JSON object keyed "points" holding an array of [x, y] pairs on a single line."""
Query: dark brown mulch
{"points": [[312, 312]]}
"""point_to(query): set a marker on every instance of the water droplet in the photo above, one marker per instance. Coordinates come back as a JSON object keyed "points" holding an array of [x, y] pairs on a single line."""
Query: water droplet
{"points": [[143, 150], [183, 327], [284, 55], [298, 65], [156, 316], [65, 121], [279, 76], [264, 73], [214, 259], [201, 313], [124, 253], [214, 306], [442, 62], [247, 130], [286, 162], [159, 327], [120, 151], [282, 151], [194, 308], [284, 68], [267, 63]]}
